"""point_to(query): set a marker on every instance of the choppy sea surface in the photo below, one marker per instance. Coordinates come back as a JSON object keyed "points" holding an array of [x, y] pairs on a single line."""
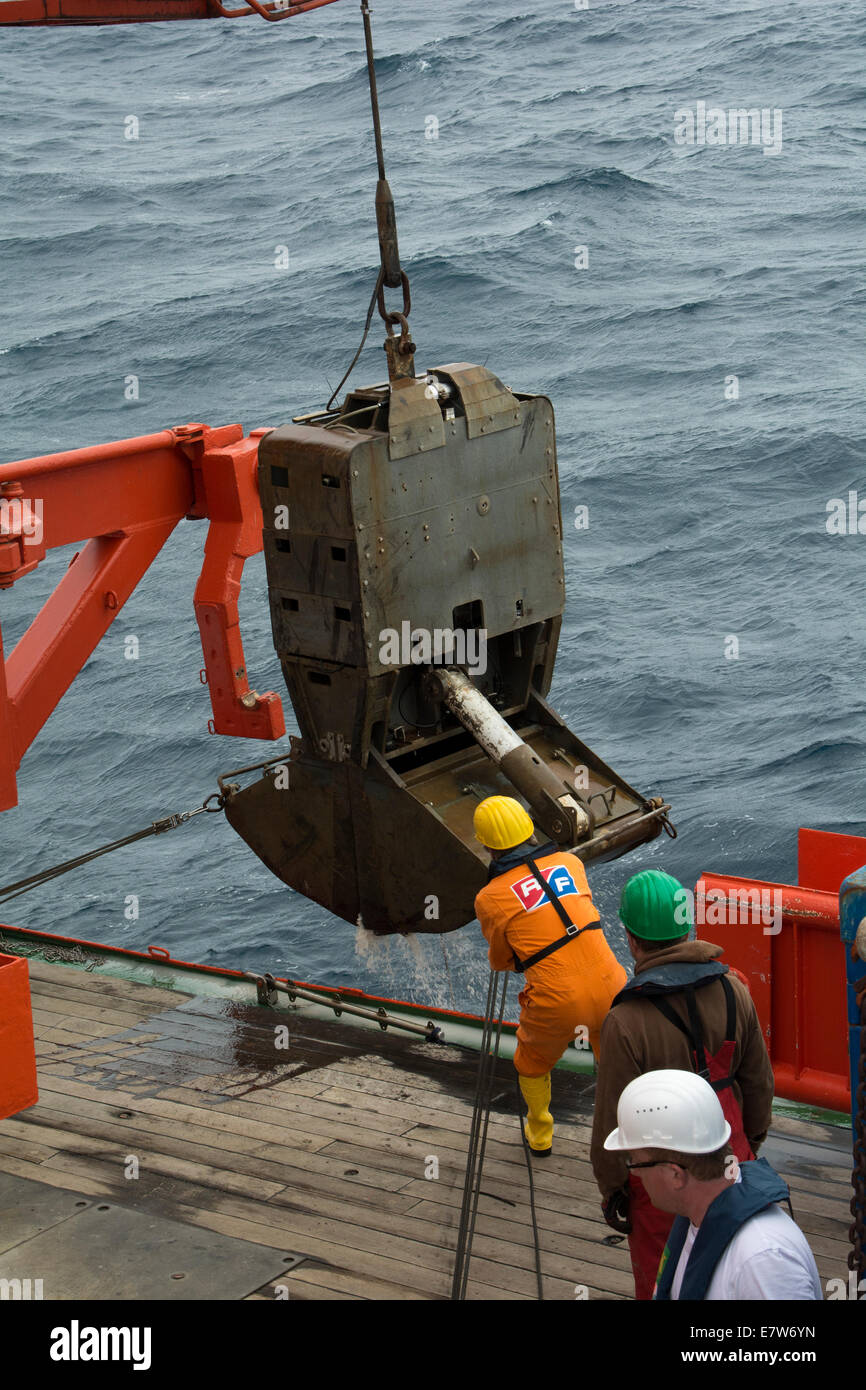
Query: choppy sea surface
{"points": [[712, 647]]}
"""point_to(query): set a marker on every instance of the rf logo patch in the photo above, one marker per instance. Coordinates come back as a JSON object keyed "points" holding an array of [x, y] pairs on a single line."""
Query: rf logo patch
{"points": [[529, 893]]}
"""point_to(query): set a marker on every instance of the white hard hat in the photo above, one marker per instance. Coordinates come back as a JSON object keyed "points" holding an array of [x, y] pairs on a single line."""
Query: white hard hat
{"points": [[669, 1110]]}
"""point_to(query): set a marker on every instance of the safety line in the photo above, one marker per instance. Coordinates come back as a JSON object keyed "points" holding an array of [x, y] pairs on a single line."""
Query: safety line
{"points": [[472, 1180], [478, 1144], [157, 827]]}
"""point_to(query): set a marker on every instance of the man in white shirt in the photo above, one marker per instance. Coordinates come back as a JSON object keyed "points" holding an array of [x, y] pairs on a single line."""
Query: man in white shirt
{"points": [[730, 1239]]}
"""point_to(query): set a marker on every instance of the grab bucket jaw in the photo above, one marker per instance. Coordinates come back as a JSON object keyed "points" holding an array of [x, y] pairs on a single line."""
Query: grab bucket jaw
{"points": [[413, 543]]}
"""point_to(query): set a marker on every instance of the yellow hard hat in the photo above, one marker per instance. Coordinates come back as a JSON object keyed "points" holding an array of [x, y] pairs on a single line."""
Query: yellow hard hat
{"points": [[501, 823]]}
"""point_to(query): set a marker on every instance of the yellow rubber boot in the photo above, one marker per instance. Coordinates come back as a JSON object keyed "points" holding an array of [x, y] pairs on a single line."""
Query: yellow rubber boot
{"points": [[539, 1122]]}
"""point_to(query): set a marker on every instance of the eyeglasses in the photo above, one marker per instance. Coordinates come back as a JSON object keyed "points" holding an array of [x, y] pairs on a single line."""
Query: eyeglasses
{"points": [[654, 1163]]}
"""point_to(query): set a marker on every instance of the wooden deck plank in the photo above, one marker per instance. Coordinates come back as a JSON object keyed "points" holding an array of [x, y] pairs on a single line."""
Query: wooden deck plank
{"points": [[188, 1141], [391, 1169], [87, 1185], [489, 1280], [408, 1090], [231, 1179], [810, 1202], [76, 1110], [237, 1117], [303, 1131], [56, 1032], [366, 1073], [199, 1012], [80, 1003], [553, 1188], [23, 1145], [555, 1211], [500, 1264], [585, 1187], [176, 1031], [296, 1116], [328, 1277], [324, 1151], [47, 1002], [106, 986], [138, 1139], [812, 1223], [501, 1126], [310, 1233], [803, 1187], [160, 1060], [47, 1023], [433, 1223], [247, 1220]]}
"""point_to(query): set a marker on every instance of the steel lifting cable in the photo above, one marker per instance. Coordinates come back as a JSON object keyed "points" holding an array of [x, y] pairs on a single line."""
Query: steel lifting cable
{"points": [[477, 1137], [391, 273], [493, 1017], [157, 827]]}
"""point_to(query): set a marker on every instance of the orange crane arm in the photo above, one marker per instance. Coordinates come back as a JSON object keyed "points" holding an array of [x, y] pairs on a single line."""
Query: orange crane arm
{"points": [[143, 11], [124, 500]]}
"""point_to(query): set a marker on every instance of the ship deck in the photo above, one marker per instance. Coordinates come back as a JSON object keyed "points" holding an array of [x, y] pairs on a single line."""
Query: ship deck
{"points": [[211, 1163]]}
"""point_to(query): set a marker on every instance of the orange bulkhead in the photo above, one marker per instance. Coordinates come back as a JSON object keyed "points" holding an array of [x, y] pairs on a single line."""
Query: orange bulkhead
{"points": [[18, 1088]]}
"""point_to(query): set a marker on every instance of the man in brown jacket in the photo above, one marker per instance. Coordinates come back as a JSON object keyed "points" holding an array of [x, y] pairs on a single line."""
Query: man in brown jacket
{"points": [[683, 1010]]}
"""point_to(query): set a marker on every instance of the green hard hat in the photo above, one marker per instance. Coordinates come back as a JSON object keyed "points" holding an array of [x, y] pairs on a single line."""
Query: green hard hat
{"points": [[655, 906]]}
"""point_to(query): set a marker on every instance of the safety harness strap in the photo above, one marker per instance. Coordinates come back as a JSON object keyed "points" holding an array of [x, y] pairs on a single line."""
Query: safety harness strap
{"points": [[698, 1033], [694, 1033], [572, 931]]}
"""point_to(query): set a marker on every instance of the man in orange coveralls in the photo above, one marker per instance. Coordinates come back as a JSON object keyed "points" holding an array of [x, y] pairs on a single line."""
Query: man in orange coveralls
{"points": [[571, 973]]}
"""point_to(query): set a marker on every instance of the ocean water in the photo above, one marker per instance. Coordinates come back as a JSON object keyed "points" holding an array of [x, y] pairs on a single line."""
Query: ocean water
{"points": [[712, 645]]}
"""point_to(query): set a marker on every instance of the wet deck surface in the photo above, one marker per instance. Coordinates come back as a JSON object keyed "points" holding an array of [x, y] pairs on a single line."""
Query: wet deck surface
{"points": [[264, 1172]]}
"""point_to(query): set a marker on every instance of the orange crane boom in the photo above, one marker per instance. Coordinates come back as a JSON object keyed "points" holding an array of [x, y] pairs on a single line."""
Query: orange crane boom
{"points": [[124, 500], [23, 12]]}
